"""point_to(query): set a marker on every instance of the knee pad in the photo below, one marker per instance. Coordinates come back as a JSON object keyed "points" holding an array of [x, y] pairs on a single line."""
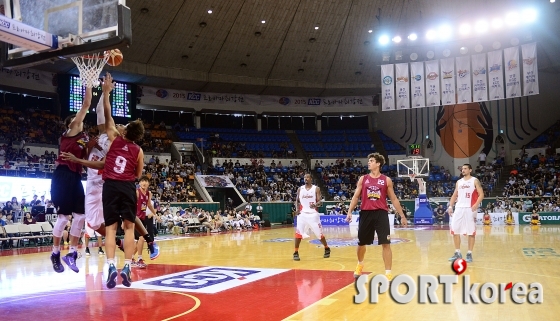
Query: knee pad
{"points": [[59, 225], [78, 225]]}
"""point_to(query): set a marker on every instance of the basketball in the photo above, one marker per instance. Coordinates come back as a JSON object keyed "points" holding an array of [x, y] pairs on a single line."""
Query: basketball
{"points": [[115, 57], [459, 135]]}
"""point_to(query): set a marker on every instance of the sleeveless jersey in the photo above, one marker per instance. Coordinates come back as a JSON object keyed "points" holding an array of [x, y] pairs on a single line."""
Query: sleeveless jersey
{"points": [[121, 161], [374, 193], [77, 146], [306, 198], [142, 204], [467, 193], [96, 155]]}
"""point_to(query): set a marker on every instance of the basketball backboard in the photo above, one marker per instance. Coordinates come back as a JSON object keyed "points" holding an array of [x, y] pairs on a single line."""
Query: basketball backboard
{"points": [[417, 166], [414, 168], [36, 32]]}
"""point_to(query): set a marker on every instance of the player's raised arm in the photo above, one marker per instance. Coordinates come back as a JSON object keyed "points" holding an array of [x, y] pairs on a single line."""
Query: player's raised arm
{"points": [[140, 166], [77, 124], [110, 127], [91, 164]]}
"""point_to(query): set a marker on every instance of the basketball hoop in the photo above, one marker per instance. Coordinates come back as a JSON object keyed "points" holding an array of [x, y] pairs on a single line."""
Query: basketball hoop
{"points": [[90, 67]]}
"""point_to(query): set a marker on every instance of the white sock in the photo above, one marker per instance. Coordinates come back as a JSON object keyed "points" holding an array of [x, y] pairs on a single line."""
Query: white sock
{"points": [[469, 252], [139, 257], [127, 262], [361, 262], [111, 261], [457, 251], [56, 249], [387, 271], [72, 249]]}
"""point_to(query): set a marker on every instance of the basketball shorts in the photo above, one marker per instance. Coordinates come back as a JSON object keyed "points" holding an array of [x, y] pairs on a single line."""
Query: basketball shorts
{"points": [[463, 221], [119, 201], [372, 222], [67, 191], [91, 233], [94, 204], [306, 222]]}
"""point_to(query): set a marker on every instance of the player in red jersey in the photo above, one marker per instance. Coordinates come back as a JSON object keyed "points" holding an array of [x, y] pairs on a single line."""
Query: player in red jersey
{"points": [[67, 191], [374, 189], [123, 164], [144, 201], [468, 194]]}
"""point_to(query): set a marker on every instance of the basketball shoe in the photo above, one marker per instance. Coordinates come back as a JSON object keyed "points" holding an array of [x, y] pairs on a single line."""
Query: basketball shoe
{"points": [[389, 277], [327, 253], [358, 270], [154, 250], [112, 277], [296, 256], [57, 265], [70, 260], [101, 253], [141, 264], [469, 258], [87, 251], [125, 274], [455, 256]]}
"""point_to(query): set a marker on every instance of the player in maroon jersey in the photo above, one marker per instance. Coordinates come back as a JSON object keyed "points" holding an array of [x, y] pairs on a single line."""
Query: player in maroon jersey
{"points": [[374, 188], [123, 164], [67, 191], [144, 201]]}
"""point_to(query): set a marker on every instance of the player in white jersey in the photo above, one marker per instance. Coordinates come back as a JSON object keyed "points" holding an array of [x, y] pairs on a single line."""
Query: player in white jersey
{"points": [[307, 201], [468, 194]]}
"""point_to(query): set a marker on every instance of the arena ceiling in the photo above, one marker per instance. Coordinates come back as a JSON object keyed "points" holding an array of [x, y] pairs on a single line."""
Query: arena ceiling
{"points": [[305, 47]]}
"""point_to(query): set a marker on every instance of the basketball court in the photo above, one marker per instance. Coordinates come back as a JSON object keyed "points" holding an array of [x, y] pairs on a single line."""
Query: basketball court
{"points": [[251, 276]]}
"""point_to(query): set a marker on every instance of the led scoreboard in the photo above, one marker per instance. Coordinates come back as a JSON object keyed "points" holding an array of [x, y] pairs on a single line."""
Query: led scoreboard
{"points": [[121, 98], [414, 150]]}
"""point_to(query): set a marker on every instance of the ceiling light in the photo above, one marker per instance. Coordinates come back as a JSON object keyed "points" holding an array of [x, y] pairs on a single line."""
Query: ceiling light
{"points": [[431, 34], [465, 29], [512, 18], [497, 23], [210, 11], [316, 28], [370, 31], [412, 36], [263, 21], [397, 39], [384, 40], [481, 26], [445, 32], [529, 15]]}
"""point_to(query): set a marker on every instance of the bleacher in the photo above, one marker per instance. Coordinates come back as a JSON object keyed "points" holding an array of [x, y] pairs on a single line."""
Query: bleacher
{"points": [[336, 143], [392, 147]]}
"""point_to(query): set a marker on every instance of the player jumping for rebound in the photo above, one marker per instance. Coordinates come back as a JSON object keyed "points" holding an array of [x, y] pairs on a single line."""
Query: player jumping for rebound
{"points": [[95, 222], [307, 201]]}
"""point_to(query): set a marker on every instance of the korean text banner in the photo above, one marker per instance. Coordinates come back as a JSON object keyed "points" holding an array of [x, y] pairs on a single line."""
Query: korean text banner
{"points": [[479, 78], [403, 86], [418, 92], [432, 83], [387, 87]]}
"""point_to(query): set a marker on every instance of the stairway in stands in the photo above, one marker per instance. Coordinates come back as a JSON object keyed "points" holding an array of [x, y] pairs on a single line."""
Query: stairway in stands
{"points": [[504, 177]]}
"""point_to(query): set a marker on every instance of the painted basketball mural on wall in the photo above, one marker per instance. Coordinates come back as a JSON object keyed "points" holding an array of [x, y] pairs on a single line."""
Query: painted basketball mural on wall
{"points": [[464, 128]]}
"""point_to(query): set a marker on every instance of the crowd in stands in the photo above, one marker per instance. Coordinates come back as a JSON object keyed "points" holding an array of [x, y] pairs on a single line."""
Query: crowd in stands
{"points": [[534, 176], [259, 183]]}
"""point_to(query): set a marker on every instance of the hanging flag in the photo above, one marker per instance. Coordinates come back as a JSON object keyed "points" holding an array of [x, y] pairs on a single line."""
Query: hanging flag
{"points": [[464, 93], [448, 81], [387, 88], [432, 83], [403, 86], [495, 75], [480, 78], [530, 70], [418, 93], [512, 71]]}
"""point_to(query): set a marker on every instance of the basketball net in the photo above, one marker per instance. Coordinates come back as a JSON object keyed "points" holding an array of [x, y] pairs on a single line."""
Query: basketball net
{"points": [[90, 67], [421, 183]]}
